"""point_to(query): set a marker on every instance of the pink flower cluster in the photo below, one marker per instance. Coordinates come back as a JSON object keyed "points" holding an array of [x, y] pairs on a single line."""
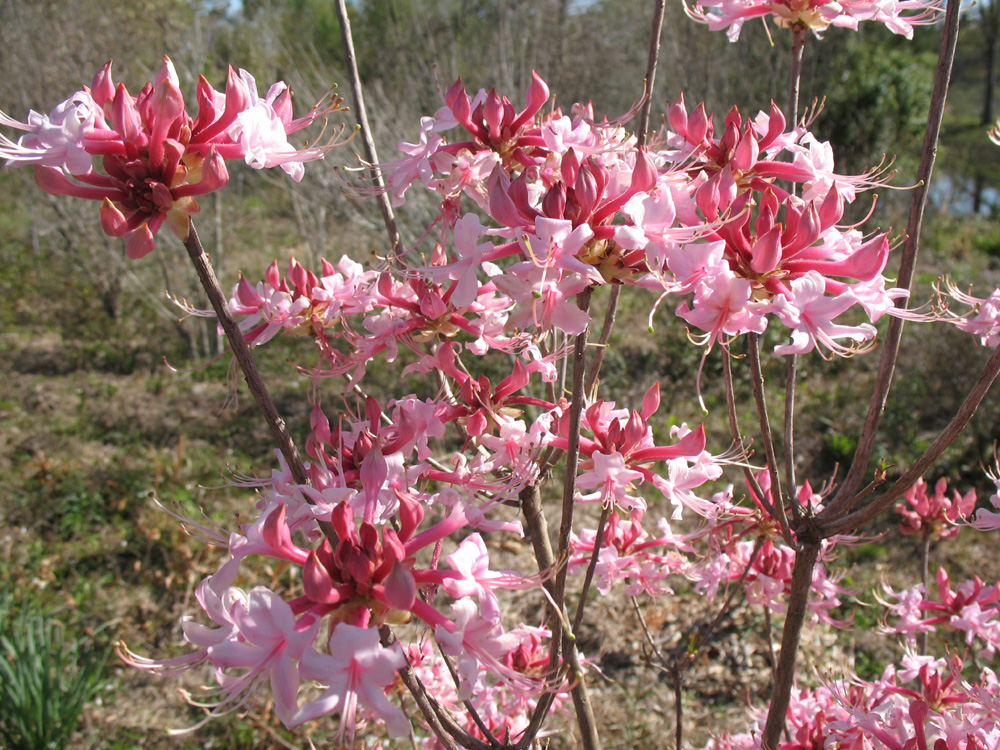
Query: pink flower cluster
{"points": [[934, 515], [970, 608], [156, 158], [922, 703]]}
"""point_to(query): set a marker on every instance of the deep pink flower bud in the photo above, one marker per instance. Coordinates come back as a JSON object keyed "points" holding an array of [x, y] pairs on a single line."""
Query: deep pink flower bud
{"points": [[167, 105], [283, 107], [775, 126], [707, 198], [167, 73], [832, 208], [113, 221], [273, 276], [411, 515], [766, 251], [570, 167], [316, 582], [102, 89], [698, 125], [554, 202], [677, 116], [746, 152], [342, 519], [651, 400], [501, 206], [125, 118], [207, 112], [400, 587], [458, 102], [493, 115], [587, 191]]}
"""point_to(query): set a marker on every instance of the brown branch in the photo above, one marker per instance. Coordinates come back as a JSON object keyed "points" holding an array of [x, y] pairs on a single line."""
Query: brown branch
{"points": [[588, 579], [799, 35], [594, 371], [448, 732], [784, 674], [845, 499], [572, 450], [789, 441], [240, 349], [969, 406]]}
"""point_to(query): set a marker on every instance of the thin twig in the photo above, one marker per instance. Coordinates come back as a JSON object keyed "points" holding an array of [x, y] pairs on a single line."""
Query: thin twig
{"points": [[789, 441], [645, 629], [476, 718], [594, 371], [651, 62], [581, 605], [925, 558], [581, 702], [766, 437], [845, 499], [384, 204], [799, 35], [572, 450], [734, 427], [240, 349]]}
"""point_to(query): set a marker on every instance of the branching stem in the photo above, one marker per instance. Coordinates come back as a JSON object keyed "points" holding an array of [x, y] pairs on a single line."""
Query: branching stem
{"points": [[845, 499]]}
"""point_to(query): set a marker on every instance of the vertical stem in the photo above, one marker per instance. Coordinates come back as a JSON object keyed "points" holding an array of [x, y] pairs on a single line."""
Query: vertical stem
{"points": [[795, 76], [784, 678], [594, 371], [790, 431], [795, 81], [678, 710], [241, 351], [777, 496], [652, 60], [925, 555], [581, 605], [385, 205], [572, 450], [581, 702]]}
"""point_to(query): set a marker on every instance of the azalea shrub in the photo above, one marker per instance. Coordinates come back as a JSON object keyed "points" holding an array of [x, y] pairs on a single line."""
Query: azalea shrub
{"points": [[394, 617]]}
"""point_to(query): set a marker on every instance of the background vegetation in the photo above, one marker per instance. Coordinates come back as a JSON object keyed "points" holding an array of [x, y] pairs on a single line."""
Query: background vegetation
{"points": [[95, 424]]}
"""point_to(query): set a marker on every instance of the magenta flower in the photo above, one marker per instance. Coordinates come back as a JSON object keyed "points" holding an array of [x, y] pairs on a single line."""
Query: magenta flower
{"points": [[934, 514]]}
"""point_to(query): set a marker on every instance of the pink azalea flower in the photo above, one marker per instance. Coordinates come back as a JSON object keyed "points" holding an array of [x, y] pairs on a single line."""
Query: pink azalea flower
{"points": [[156, 157], [934, 514], [613, 482], [357, 670], [899, 16], [810, 313], [53, 140]]}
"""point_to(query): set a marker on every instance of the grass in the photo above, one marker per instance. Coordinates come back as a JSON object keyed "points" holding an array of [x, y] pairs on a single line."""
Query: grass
{"points": [[47, 675]]}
